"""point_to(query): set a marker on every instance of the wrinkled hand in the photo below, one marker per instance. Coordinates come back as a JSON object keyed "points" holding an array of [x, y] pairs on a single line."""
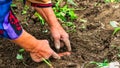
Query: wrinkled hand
{"points": [[59, 34], [43, 50], [38, 49]]}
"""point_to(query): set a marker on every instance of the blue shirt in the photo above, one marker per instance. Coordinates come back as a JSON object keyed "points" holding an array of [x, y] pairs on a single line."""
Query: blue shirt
{"points": [[4, 9], [9, 24]]}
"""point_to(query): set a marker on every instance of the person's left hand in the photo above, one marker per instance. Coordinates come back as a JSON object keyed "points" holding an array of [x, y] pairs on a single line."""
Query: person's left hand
{"points": [[59, 34]]}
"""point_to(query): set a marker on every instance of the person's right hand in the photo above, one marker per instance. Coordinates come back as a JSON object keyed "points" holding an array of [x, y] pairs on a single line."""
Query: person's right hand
{"points": [[43, 50], [38, 49]]}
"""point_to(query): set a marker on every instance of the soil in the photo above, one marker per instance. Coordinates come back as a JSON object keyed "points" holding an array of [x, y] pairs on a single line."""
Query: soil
{"points": [[95, 42]]}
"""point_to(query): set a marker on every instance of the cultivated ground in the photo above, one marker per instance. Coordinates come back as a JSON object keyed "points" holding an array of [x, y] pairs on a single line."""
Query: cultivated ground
{"points": [[94, 42]]}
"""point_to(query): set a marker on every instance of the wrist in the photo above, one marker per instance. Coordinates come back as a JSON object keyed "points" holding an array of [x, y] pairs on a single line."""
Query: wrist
{"points": [[54, 25], [26, 41]]}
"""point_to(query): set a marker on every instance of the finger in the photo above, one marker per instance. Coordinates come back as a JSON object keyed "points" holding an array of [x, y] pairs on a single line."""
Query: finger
{"points": [[64, 54], [35, 57], [44, 56], [55, 55], [57, 44], [62, 43], [67, 43]]}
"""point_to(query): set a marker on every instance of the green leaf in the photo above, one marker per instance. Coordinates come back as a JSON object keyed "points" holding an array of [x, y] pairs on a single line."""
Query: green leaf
{"points": [[99, 64], [72, 2], [65, 8], [116, 30], [69, 24], [42, 21], [57, 4], [13, 5], [112, 1], [47, 62], [83, 20], [72, 15], [24, 12], [113, 23], [21, 50], [19, 57]]}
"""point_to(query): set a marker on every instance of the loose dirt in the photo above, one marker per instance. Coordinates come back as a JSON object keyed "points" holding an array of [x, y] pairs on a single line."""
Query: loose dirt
{"points": [[95, 42]]}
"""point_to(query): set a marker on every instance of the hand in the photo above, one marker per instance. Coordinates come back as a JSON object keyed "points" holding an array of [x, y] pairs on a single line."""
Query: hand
{"points": [[59, 34], [57, 31], [38, 49], [43, 50]]}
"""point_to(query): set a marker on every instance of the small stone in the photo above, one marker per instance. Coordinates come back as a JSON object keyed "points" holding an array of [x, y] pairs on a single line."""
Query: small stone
{"points": [[0, 55], [1, 61], [73, 65]]}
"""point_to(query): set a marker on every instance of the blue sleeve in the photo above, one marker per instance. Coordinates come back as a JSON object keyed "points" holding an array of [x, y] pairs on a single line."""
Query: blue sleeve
{"points": [[9, 25]]}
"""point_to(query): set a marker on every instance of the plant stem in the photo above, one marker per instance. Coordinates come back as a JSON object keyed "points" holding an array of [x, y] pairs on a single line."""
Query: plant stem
{"points": [[47, 62]]}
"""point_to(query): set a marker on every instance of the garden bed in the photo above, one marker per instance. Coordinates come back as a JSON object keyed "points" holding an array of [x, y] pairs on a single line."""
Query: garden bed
{"points": [[94, 42]]}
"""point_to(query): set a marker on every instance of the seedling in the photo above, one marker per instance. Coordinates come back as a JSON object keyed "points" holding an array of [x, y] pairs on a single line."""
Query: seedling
{"points": [[64, 12], [115, 25], [24, 11], [112, 1], [47, 62], [42, 21], [20, 55], [100, 64], [70, 25], [13, 5], [72, 2], [116, 30]]}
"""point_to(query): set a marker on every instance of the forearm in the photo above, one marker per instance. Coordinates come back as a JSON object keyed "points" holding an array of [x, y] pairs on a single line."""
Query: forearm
{"points": [[48, 15], [44, 8], [26, 41]]}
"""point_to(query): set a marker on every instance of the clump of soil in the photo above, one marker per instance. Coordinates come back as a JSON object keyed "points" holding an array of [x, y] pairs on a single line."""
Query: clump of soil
{"points": [[93, 43]]}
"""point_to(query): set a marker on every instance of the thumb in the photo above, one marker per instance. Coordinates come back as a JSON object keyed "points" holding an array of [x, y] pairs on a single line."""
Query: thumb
{"points": [[35, 57], [55, 55]]}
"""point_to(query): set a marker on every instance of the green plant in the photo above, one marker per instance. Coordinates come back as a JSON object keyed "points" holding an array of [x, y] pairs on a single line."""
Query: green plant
{"points": [[100, 64], [116, 30], [20, 57], [72, 2], [13, 5], [20, 54], [24, 11], [108, 1], [64, 12], [71, 26], [47, 62], [116, 26], [42, 21]]}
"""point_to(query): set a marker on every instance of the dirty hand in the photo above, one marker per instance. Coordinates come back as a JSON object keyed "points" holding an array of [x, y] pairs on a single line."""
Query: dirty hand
{"points": [[56, 29], [59, 34], [38, 49], [43, 50]]}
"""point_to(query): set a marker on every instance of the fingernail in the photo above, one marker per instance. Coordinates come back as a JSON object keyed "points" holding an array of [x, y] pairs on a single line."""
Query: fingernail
{"points": [[57, 57], [57, 47]]}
